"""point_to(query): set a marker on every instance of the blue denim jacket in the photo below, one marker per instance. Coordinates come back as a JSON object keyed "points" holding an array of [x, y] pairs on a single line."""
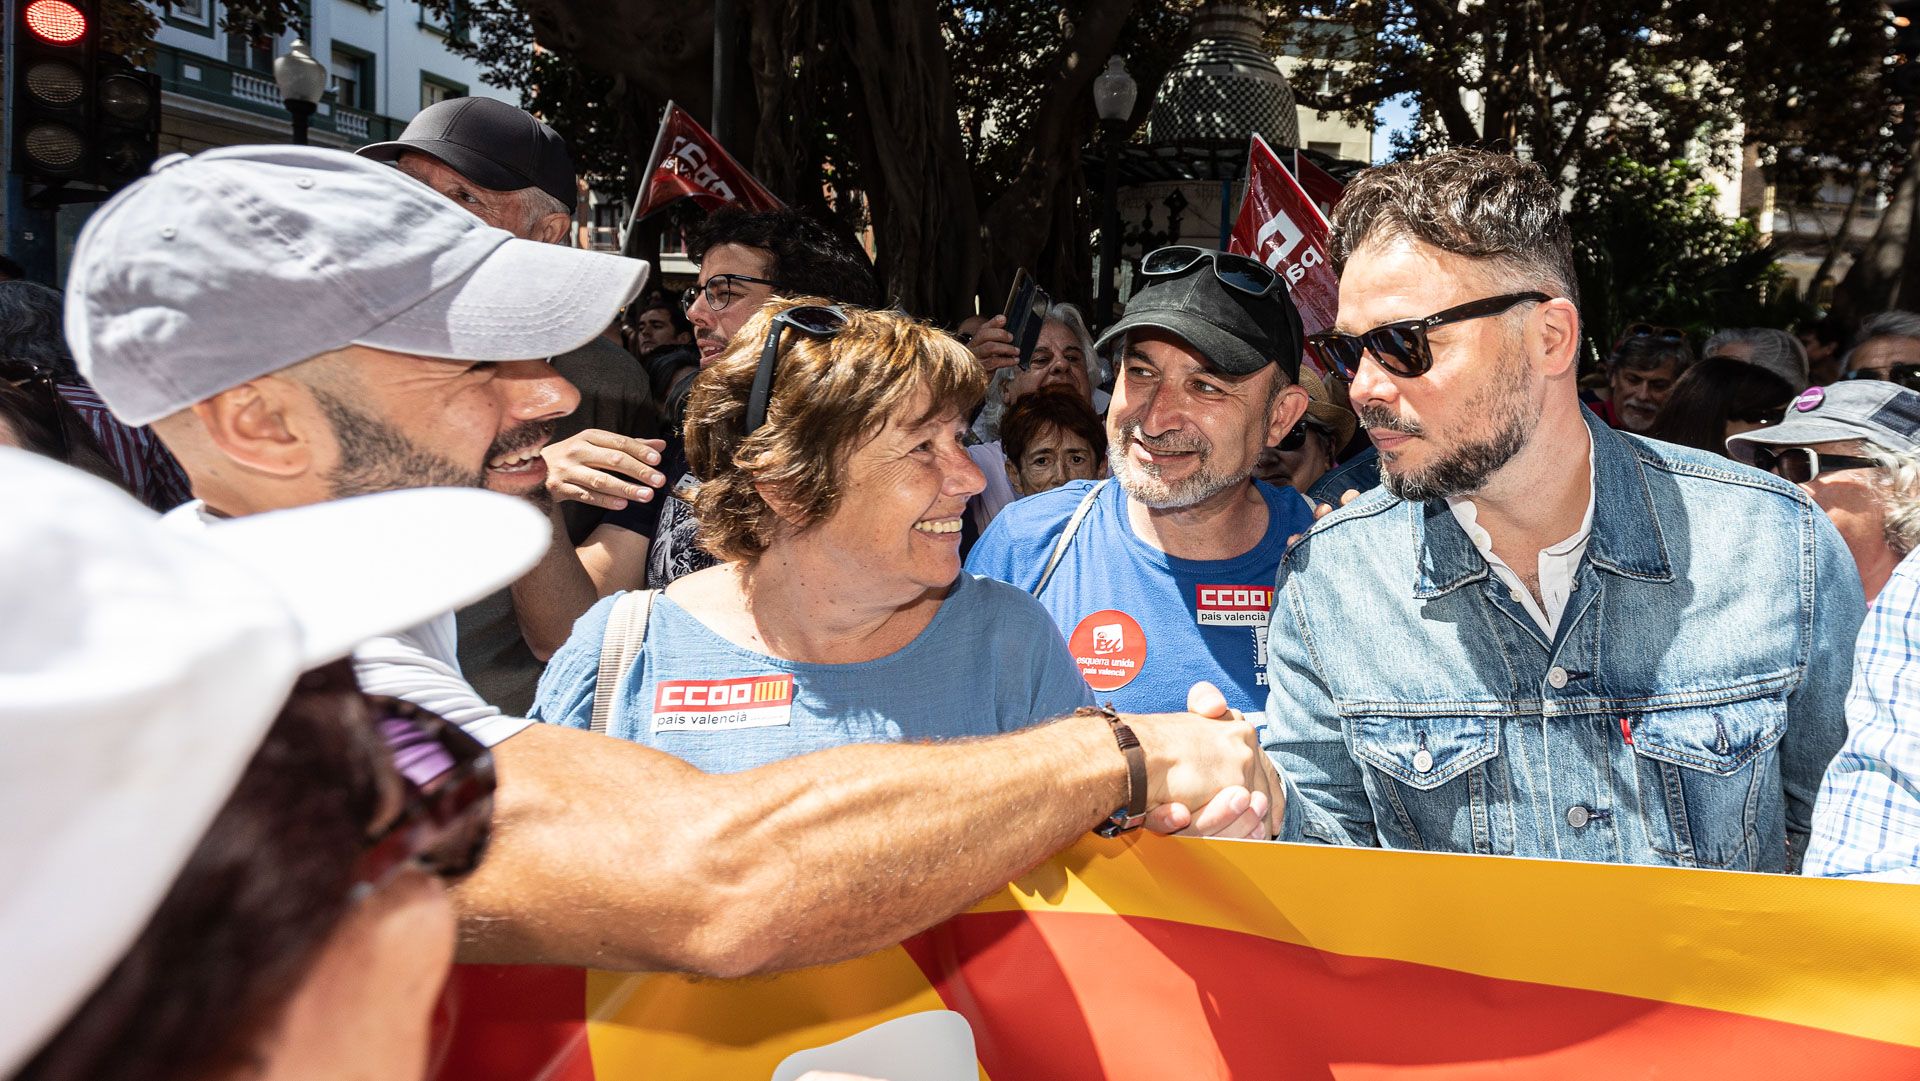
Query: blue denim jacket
{"points": [[1683, 714]]}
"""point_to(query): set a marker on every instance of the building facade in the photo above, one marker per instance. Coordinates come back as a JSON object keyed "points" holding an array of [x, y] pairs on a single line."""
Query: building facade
{"points": [[385, 62]]}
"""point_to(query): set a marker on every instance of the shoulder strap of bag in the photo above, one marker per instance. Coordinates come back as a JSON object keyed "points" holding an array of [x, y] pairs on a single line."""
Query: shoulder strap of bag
{"points": [[626, 632], [1066, 535]]}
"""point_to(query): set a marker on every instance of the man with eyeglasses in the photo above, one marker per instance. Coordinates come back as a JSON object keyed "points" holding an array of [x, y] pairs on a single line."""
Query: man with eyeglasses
{"points": [[1886, 348], [1162, 574], [1540, 637], [1837, 443], [745, 258]]}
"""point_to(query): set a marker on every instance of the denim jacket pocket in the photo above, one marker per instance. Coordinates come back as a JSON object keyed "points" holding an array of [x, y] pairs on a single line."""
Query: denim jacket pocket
{"points": [[1432, 773], [1708, 775]]}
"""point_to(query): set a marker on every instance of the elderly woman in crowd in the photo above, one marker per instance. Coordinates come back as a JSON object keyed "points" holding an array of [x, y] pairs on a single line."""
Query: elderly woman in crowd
{"points": [[224, 860], [835, 478], [1717, 399], [1063, 356], [1313, 447], [1050, 437], [1887, 347]]}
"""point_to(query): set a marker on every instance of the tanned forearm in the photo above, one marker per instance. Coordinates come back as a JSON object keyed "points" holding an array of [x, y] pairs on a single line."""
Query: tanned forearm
{"points": [[611, 855], [557, 591]]}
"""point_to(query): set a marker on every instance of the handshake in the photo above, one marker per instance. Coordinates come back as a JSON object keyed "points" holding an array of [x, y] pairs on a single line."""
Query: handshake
{"points": [[1206, 773]]}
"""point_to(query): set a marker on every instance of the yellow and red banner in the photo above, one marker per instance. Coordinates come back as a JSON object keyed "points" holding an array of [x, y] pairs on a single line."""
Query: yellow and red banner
{"points": [[1151, 957]]}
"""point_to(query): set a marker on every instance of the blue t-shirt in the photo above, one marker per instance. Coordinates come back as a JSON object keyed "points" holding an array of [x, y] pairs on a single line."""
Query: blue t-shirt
{"points": [[990, 661], [1145, 626]]}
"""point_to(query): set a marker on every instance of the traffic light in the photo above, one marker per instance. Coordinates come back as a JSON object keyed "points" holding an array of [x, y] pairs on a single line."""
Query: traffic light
{"points": [[80, 113], [54, 70]]}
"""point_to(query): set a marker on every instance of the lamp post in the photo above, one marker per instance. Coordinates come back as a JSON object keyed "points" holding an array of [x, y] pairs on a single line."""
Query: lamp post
{"points": [[1113, 94], [302, 81]]}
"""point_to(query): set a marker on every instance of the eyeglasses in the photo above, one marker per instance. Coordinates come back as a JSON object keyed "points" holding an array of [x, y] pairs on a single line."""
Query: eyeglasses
{"points": [[1906, 375], [1649, 330], [1250, 276], [445, 811], [718, 301], [1802, 464], [43, 392], [1401, 348], [1297, 438], [816, 320]]}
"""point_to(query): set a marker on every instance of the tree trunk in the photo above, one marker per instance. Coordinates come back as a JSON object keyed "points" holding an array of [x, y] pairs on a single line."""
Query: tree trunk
{"points": [[1874, 282]]}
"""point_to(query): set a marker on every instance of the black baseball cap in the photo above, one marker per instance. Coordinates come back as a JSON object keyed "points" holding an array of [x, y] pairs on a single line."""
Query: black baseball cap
{"points": [[490, 143], [1236, 331]]}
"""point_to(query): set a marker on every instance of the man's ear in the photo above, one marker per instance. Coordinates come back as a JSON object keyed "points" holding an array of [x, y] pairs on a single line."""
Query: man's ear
{"points": [[553, 228], [1554, 336], [1288, 407], [259, 426]]}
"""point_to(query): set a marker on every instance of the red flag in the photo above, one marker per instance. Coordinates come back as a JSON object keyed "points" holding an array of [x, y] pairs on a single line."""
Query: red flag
{"points": [[1280, 226], [688, 163], [1320, 185]]}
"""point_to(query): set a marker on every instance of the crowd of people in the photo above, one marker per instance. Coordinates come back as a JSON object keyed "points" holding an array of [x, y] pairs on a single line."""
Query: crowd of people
{"points": [[784, 624]]}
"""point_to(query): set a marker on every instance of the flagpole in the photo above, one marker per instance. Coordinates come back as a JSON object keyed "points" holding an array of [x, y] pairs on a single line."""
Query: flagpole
{"points": [[646, 178]]}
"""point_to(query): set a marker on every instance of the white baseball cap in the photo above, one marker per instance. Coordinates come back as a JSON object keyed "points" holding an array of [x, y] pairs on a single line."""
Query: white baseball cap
{"points": [[141, 666], [237, 262]]}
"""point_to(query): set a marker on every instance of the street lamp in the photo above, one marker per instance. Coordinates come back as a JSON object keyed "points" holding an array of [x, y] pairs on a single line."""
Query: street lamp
{"points": [[1113, 94], [302, 81]]}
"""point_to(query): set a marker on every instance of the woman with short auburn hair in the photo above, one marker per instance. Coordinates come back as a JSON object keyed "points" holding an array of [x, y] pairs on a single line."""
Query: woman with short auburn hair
{"points": [[831, 443]]}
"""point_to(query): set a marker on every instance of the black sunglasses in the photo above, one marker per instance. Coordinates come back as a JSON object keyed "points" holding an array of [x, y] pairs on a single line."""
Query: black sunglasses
{"points": [[1802, 464], [1248, 275], [818, 320], [1401, 347], [43, 394], [719, 302], [1649, 330], [1906, 375], [445, 811]]}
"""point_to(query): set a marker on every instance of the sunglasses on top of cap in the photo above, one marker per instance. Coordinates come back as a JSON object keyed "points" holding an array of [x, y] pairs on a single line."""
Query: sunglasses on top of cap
{"points": [[1249, 276], [1802, 464], [814, 320], [441, 815], [1401, 347]]}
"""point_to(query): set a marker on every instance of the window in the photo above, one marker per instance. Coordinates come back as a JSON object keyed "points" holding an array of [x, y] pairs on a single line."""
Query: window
{"points": [[1331, 150], [350, 78], [254, 55], [197, 12], [434, 91], [452, 22]]}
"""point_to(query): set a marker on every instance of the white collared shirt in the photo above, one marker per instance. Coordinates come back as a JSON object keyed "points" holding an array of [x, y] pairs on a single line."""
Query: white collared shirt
{"points": [[1558, 563]]}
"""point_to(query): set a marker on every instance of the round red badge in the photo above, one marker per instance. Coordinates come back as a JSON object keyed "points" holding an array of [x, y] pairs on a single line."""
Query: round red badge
{"points": [[1110, 648]]}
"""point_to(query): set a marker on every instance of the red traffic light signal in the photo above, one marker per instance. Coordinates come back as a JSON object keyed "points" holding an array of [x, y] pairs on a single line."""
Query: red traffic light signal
{"points": [[56, 22]]}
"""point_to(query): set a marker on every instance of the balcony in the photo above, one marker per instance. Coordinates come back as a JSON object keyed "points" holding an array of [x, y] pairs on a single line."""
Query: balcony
{"points": [[198, 76]]}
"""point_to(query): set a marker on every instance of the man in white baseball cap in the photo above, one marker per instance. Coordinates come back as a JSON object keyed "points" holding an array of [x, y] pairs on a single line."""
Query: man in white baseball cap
{"points": [[142, 670], [300, 325]]}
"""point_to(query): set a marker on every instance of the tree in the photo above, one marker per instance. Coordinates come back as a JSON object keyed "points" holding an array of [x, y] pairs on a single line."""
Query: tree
{"points": [[1650, 246]]}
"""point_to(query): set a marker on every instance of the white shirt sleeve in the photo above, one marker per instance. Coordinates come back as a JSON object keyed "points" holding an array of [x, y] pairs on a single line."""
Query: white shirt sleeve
{"points": [[422, 666]]}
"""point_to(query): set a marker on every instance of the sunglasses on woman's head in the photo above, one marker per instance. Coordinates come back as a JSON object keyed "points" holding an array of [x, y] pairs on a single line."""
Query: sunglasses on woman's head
{"points": [[815, 320], [445, 811], [1648, 330], [1401, 347]]}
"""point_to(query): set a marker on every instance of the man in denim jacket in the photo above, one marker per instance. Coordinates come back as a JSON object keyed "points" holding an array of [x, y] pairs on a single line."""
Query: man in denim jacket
{"points": [[1540, 637]]}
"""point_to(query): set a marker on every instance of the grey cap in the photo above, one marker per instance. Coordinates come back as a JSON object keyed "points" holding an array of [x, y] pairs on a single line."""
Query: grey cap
{"points": [[241, 261], [1881, 413]]}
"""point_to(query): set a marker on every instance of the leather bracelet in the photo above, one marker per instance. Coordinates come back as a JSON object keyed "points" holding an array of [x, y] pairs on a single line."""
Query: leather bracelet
{"points": [[1134, 814]]}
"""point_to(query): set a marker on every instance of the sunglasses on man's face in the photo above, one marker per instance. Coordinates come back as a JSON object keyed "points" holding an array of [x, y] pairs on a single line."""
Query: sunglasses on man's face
{"points": [[445, 804], [1802, 464], [1906, 375], [1401, 348]]}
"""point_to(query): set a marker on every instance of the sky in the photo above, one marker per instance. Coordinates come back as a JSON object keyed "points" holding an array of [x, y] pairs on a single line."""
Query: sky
{"points": [[1394, 115]]}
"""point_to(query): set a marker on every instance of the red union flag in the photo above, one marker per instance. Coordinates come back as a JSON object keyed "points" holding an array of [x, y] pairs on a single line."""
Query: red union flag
{"points": [[688, 163], [1280, 226], [1320, 185]]}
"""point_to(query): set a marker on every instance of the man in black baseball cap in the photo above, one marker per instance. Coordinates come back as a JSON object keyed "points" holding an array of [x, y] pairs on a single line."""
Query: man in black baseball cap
{"points": [[514, 172], [1161, 575]]}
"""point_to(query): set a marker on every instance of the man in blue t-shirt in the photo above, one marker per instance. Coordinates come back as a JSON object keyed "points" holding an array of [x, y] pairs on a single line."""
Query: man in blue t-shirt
{"points": [[1164, 572]]}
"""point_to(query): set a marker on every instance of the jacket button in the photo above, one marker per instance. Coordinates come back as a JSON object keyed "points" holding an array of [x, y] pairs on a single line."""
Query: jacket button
{"points": [[1422, 761], [1557, 677], [1578, 816]]}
